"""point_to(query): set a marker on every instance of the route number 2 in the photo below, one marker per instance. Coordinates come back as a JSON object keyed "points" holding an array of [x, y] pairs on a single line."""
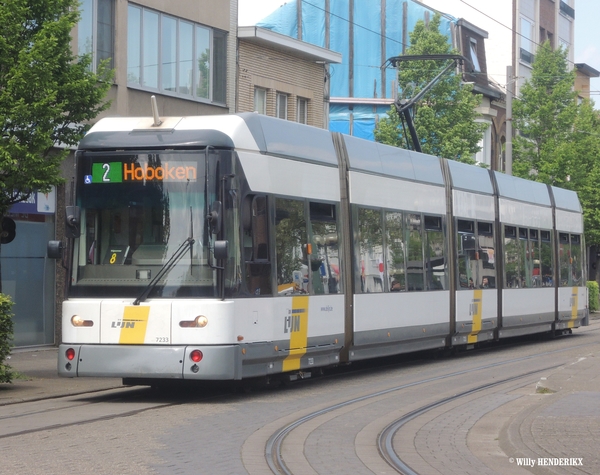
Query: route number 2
{"points": [[106, 167]]}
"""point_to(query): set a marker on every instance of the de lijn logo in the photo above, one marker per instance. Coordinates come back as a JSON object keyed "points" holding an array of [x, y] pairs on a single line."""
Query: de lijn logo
{"points": [[117, 172]]}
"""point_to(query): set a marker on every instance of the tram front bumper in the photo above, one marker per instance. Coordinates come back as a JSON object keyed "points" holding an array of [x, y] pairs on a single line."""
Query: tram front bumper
{"points": [[149, 362]]}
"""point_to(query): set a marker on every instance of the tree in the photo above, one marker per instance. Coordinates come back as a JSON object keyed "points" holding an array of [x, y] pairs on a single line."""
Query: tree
{"points": [[544, 116], [445, 117], [47, 95], [557, 141]]}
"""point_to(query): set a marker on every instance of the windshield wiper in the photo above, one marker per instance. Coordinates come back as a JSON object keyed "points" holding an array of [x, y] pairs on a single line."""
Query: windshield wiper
{"points": [[167, 266]]}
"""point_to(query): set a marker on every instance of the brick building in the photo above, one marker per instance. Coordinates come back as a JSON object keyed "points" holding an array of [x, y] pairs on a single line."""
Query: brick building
{"points": [[283, 77]]}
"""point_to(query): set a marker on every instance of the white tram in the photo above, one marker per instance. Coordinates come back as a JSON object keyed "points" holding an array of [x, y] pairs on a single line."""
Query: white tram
{"points": [[238, 246]]}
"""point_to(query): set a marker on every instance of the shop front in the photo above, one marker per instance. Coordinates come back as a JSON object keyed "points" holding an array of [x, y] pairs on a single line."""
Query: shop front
{"points": [[28, 276]]}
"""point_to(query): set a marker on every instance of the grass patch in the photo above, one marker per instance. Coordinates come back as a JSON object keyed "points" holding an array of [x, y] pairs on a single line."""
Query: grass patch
{"points": [[543, 390], [21, 376]]}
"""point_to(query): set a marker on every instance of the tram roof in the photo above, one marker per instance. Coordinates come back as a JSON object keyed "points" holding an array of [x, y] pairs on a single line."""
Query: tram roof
{"points": [[519, 189], [470, 177], [377, 158], [290, 139], [566, 199], [242, 131]]}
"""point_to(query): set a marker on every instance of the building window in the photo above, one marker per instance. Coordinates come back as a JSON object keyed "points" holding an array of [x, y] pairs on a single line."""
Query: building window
{"points": [[282, 101], [567, 10], [95, 30], [474, 58], [260, 100], [302, 111], [564, 32], [175, 56], [526, 40]]}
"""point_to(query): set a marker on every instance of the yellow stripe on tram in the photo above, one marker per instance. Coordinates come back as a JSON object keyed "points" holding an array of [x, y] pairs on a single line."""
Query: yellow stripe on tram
{"points": [[574, 305], [135, 322], [298, 333], [476, 312]]}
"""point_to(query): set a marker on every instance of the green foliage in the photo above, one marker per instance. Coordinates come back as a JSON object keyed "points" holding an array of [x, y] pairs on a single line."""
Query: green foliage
{"points": [[558, 141], [47, 95], [593, 293], [544, 115], [6, 335], [445, 117]]}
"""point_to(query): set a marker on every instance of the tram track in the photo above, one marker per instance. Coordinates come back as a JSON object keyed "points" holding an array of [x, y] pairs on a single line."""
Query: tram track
{"points": [[385, 439], [88, 408], [274, 447]]}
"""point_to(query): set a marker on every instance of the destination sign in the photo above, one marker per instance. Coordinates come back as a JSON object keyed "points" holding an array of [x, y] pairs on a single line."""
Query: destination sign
{"points": [[118, 172]]}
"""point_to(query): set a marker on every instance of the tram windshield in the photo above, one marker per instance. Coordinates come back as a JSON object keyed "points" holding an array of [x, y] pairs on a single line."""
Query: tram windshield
{"points": [[143, 214]]}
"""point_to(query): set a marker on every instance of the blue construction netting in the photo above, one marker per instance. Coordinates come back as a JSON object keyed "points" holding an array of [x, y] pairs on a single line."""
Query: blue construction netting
{"points": [[367, 34]]}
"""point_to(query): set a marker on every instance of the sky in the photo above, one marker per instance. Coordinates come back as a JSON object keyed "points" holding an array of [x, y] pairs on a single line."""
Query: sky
{"points": [[587, 38]]}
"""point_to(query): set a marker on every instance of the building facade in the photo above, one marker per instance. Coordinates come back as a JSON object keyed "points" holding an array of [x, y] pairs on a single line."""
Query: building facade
{"points": [[283, 77], [470, 42], [366, 34], [537, 21]]}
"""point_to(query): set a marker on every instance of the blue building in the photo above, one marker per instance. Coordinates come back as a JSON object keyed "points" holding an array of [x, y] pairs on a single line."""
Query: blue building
{"points": [[366, 33]]}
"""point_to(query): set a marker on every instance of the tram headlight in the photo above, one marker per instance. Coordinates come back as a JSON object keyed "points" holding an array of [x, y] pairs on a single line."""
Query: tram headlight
{"points": [[78, 321], [201, 321]]}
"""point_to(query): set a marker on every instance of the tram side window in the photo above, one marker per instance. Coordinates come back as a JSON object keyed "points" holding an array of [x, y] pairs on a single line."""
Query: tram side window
{"points": [[436, 267], [414, 265], [476, 255], [546, 258], [525, 267], [324, 256], [564, 255], [291, 247], [576, 261], [569, 251], [395, 251], [513, 258], [256, 245], [533, 262], [370, 250], [487, 255], [467, 262]]}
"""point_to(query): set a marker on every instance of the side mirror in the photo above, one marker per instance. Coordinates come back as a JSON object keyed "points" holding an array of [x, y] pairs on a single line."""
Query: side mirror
{"points": [[221, 250], [73, 221], [214, 217], [55, 249], [8, 230]]}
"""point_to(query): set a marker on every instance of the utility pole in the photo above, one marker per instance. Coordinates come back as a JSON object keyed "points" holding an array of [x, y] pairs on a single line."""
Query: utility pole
{"points": [[510, 84]]}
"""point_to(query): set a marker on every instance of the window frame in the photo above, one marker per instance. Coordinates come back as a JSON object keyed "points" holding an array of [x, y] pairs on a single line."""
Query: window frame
{"points": [[216, 65], [260, 100], [302, 110], [92, 18], [279, 107], [474, 58], [308, 256]]}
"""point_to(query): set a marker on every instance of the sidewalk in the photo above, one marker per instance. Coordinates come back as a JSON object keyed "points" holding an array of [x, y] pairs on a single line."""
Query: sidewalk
{"points": [[38, 378]]}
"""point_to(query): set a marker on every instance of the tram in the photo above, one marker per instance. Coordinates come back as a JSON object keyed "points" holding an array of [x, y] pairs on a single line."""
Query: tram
{"points": [[241, 246]]}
